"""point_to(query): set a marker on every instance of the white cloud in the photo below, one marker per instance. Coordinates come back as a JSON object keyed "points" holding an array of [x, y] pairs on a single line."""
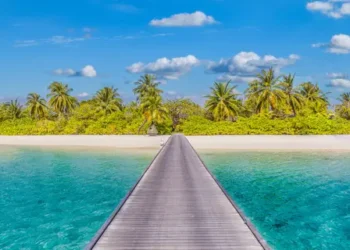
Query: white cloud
{"points": [[55, 40], [345, 9], [84, 94], [197, 18], [332, 8], [341, 41], [171, 92], [342, 83], [319, 6], [236, 79], [244, 66], [338, 80], [339, 44], [26, 43], [336, 75], [64, 40], [65, 72], [165, 68], [87, 71], [318, 45]]}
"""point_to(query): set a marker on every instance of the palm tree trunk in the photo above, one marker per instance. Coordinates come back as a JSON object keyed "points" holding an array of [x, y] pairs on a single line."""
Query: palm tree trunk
{"points": [[143, 124], [293, 108]]}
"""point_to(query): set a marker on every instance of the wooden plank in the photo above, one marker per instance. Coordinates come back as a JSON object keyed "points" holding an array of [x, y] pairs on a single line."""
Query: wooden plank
{"points": [[177, 204]]}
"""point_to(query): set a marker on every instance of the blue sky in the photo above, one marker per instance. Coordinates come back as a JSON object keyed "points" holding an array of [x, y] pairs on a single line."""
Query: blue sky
{"points": [[187, 44]]}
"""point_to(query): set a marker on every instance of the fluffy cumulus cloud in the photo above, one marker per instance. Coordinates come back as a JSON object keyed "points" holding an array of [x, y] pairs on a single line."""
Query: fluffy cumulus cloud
{"points": [[244, 66], [87, 71], [332, 8], [197, 18], [339, 44], [338, 80], [164, 68], [341, 83]]}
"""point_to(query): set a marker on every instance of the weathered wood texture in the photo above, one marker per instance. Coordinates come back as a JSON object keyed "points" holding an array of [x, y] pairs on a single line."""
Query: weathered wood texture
{"points": [[177, 205]]}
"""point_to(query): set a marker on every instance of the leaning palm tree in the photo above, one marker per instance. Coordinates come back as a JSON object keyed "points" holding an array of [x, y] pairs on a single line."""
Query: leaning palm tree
{"points": [[153, 110], [222, 102], [266, 91], [146, 86], [343, 109], [36, 105], [108, 100], [293, 97], [14, 109], [60, 100]]}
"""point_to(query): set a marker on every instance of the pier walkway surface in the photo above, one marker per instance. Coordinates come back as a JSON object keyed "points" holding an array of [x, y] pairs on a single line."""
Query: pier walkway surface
{"points": [[177, 204]]}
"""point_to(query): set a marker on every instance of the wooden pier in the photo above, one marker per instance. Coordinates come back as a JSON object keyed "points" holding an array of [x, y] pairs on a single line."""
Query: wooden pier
{"points": [[177, 204]]}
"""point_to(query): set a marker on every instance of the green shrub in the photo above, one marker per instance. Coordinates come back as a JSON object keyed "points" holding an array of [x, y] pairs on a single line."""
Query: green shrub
{"points": [[120, 124], [264, 125]]}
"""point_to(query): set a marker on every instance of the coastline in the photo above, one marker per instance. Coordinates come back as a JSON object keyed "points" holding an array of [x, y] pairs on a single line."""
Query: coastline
{"points": [[91, 141], [216, 143], [271, 142]]}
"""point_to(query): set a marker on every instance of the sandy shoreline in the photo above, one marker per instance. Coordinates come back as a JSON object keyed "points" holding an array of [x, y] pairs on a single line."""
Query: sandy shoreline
{"points": [[272, 142], [104, 141], [251, 142]]}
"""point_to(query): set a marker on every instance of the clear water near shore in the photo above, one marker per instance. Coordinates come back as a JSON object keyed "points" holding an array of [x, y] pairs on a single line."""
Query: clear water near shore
{"points": [[58, 199], [295, 200]]}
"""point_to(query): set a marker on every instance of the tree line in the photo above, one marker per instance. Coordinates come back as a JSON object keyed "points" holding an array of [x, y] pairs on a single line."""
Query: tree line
{"points": [[275, 97]]}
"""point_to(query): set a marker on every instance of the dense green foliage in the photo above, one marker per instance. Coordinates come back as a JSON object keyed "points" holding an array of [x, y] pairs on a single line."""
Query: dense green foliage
{"points": [[271, 105], [264, 125]]}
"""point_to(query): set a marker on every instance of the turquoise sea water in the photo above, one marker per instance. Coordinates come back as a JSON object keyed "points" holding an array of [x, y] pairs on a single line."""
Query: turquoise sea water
{"points": [[295, 200], [56, 199]]}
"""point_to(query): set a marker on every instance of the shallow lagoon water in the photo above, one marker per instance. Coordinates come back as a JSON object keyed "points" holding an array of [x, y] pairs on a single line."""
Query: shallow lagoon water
{"points": [[58, 199], [296, 200]]}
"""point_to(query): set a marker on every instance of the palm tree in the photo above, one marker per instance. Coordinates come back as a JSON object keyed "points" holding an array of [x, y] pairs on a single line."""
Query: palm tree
{"points": [[344, 108], [250, 100], [146, 86], [153, 110], [108, 100], [293, 97], [222, 101], [14, 109], [314, 97], [266, 90], [60, 99], [3, 111], [36, 105]]}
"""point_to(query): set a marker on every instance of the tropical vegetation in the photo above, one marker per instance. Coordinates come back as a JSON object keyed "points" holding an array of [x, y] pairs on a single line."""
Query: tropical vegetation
{"points": [[270, 105]]}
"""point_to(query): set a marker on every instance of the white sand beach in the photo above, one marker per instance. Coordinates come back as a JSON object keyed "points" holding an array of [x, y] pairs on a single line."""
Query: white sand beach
{"points": [[251, 142], [115, 141], [271, 142]]}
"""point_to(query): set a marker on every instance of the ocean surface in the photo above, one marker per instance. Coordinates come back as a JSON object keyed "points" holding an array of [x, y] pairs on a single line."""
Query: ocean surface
{"points": [[58, 199], [295, 200]]}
